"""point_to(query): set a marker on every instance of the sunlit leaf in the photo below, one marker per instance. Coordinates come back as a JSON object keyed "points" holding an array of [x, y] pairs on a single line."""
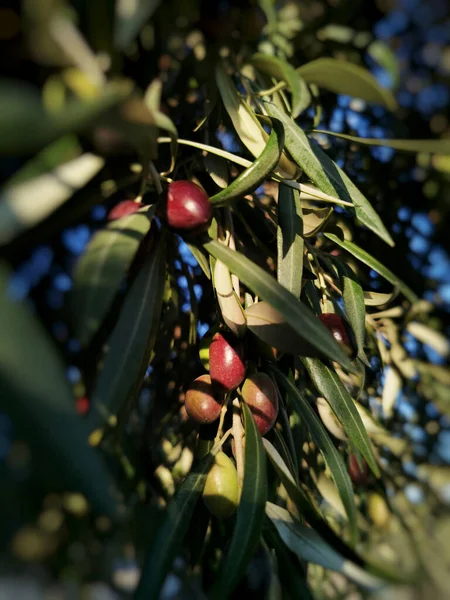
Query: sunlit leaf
{"points": [[26, 204], [301, 319], [331, 387], [230, 305], [387, 59], [35, 394], [342, 77], [331, 455], [283, 71], [131, 342], [314, 219], [251, 178], [441, 146], [290, 240], [102, 268], [201, 259], [25, 125], [166, 544], [378, 298], [131, 16], [326, 174], [430, 337], [250, 512], [374, 264], [308, 545]]}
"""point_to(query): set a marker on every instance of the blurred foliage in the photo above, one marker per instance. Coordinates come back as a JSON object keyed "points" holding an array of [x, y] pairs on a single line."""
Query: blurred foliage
{"points": [[106, 323]]}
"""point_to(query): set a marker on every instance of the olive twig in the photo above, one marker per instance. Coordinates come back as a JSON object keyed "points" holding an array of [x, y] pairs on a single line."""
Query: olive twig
{"points": [[219, 443], [223, 412], [238, 432]]}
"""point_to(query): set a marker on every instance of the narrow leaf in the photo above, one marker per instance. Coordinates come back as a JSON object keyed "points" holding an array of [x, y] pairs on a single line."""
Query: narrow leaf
{"points": [[34, 392], [331, 387], [27, 204], [314, 220], [250, 513], [324, 444], [346, 78], [308, 545], [201, 259], [130, 19], [326, 174], [131, 341], [283, 71], [427, 146], [250, 179], [169, 537], [355, 309], [290, 240], [378, 299], [374, 264], [301, 319], [102, 268]]}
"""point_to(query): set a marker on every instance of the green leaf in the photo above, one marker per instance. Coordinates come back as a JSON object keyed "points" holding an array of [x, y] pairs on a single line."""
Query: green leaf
{"points": [[130, 19], [314, 220], [290, 240], [282, 70], [25, 125], [441, 146], [374, 264], [102, 268], [250, 179], [308, 545], [322, 171], [131, 342], [387, 59], [250, 513], [301, 319], [333, 390], [169, 537], [305, 506], [356, 312], [26, 204], [35, 394], [201, 259], [329, 451], [346, 78]]}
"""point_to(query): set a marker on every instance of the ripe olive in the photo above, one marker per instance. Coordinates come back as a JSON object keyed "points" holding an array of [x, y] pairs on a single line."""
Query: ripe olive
{"points": [[187, 207], [221, 491], [359, 475], [340, 331], [200, 402], [261, 396], [123, 209], [226, 362]]}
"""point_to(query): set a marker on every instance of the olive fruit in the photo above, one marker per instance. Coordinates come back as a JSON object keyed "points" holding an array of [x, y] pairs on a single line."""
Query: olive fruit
{"points": [[221, 491], [339, 330], [226, 362], [378, 510], [187, 207], [123, 209], [261, 396], [200, 402], [359, 475]]}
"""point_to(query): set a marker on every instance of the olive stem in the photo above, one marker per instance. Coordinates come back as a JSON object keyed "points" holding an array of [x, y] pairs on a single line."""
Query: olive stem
{"points": [[238, 432], [155, 177], [223, 412], [218, 444]]}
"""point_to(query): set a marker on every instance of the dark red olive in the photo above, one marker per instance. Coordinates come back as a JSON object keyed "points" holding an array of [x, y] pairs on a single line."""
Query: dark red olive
{"points": [[124, 208], [200, 402], [226, 362], [261, 396], [339, 330], [187, 207], [359, 475]]}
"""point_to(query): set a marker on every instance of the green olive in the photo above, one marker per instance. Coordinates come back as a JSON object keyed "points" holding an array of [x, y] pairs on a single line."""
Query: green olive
{"points": [[221, 491], [378, 510]]}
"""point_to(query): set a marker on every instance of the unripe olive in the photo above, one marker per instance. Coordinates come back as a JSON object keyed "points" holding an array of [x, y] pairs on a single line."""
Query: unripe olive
{"points": [[378, 510], [340, 331], [200, 402], [359, 475], [123, 209], [226, 362], [187, 207], [221, 491], [261, 396]]}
